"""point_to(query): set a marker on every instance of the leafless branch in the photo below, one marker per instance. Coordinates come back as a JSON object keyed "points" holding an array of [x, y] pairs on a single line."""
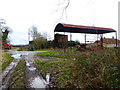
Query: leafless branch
{"points": [[64, 9]]}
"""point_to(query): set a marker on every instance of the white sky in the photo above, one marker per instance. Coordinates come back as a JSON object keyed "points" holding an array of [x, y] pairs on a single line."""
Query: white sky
{"points": [[21, 14]]}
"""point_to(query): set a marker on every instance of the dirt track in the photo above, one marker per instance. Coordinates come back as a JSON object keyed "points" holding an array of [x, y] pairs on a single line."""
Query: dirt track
{"points": [[33, 77]]}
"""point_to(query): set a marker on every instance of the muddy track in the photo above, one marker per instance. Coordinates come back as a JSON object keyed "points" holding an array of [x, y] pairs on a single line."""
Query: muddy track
{"points": [[6, 74], [33, 77]]}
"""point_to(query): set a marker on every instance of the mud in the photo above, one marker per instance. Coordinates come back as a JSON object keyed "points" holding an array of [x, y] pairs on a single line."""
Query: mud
{"points": [[33, 76], [6, 73]]}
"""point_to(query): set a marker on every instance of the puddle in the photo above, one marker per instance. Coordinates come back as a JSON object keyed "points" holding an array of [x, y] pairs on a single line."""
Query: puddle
{"points": [[47, 78], [37, 83], [27, 64], [16, 56], [11, 65], [32, 68], [33, 77]]}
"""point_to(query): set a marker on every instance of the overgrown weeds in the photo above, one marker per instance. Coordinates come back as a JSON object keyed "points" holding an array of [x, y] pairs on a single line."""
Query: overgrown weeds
{"points": [[95, 69], [99, 69]]}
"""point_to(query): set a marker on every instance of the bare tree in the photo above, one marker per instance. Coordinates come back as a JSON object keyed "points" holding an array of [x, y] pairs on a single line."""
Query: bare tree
{"points": [[39, 40], [33, 32], [62, 6]]}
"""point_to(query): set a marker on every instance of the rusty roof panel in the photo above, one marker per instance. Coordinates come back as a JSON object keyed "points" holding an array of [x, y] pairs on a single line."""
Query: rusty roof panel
{"points": [[60, 27]]}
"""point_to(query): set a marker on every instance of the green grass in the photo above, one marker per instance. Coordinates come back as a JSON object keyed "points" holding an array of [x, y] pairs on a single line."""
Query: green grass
{"points": [[59, 53], [95, 69], [59, 68], [6, 60], [44, 49], [6, 50], [18, 77]]}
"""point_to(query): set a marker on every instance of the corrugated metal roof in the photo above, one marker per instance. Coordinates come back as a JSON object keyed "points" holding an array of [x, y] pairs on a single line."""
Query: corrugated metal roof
{"points": [[60, 27]]}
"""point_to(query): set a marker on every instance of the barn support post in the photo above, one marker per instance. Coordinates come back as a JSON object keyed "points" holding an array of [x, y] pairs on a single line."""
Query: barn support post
{"points": [[116, 39], [64, 44], [54, 41], [101, 41], [85, 40], [97, 39], [70, 37], [71, 40]]}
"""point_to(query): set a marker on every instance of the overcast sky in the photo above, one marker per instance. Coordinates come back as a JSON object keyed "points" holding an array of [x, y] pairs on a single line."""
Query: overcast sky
{"points": [[20, 15]]}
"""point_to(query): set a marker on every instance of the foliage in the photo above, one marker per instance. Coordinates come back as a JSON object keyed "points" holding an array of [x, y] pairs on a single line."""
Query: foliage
{"points": [[5, 35], [73, 43], [39, 41], [50, 44], [5, 31]]}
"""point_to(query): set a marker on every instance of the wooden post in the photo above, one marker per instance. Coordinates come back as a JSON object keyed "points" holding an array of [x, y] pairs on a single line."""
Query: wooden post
{"points": [[85, 40], [64, 43], [97, 40], [101, 40], [54, 41], [70, 37], [71, 40], [116, 39]]}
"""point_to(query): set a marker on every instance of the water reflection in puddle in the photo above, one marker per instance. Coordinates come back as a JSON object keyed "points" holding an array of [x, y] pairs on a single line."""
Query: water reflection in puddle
{"points": [[35, 80], [11, 65], [32, 68], [16, 56], [27, 64], [47, 78], [37, 83]]}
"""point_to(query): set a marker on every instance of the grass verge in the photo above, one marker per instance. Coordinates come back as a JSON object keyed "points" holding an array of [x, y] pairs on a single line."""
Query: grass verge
{"points": [[6, 60]]}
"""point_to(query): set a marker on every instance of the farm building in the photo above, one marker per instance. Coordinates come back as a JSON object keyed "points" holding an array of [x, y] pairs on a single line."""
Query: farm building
{"points": [[61, 27]]}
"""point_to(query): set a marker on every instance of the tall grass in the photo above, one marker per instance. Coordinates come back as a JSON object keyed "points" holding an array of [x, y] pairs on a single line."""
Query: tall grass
{"points": [[95, 69], [99, 69]]}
